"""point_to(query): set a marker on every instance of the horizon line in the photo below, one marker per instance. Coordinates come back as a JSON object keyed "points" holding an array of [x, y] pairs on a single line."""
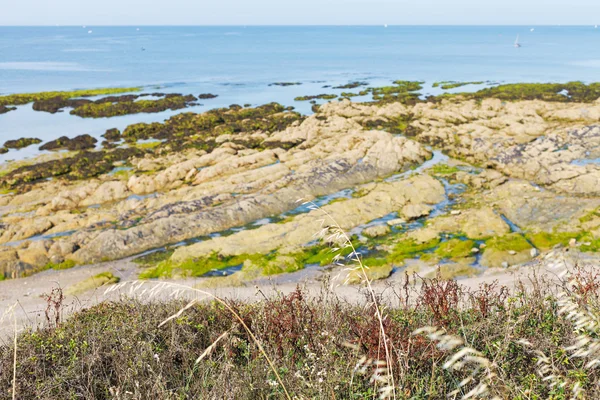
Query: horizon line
{"points": [[282, 25]]}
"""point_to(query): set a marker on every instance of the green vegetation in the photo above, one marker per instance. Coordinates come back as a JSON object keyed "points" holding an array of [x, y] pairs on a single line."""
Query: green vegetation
{"points": [[351, 85], [318, 96], [445, 85], [182, 131], [455, 249], [444, 169], [403, 92], [82, 165], [319, 344], [18, 99], [512, 241], [409, 248], [561, 92], [21, 143], [269, 264], [546, 240], [67, 264], [104, 109]]}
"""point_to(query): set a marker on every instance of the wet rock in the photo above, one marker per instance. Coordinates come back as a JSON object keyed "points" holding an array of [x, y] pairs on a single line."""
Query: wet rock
{"points": [[21, 143], [112, 135], [3, 150], [81, 142], [285, 84], [204, 96], [350, 213], [58, 103], [4, 109], [125, 105]]}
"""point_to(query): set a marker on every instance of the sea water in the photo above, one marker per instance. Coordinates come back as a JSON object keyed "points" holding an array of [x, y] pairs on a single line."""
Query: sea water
{"points": [[238, 63]]}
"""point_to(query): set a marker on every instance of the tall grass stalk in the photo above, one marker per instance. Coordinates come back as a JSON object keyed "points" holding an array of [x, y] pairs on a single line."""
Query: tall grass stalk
{"points": [[336, 233]]}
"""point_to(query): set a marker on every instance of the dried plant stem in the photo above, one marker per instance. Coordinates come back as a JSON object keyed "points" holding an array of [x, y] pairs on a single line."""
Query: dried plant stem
{"points": [[356, 258], [237, 316], [14, 382]]}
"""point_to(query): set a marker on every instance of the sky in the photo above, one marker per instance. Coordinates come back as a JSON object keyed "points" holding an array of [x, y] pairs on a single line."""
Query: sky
{"points": [[299, 12]]}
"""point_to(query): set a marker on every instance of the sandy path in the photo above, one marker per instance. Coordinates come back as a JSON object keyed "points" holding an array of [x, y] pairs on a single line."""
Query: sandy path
{"points": [[25, 294]]}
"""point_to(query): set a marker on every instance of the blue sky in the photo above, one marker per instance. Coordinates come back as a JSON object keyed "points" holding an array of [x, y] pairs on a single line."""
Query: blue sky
{"points": [[299, 12]]}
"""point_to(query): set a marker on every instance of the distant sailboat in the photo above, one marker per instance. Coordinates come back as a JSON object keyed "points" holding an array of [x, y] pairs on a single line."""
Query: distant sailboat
{"points": [[385, 25], [517, 44], [89, 31], [596, 26], [532, 29]]}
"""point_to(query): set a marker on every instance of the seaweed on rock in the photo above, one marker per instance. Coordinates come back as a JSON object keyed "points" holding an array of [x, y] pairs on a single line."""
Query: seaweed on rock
{"points": [[21, 143], [81, 142], [83, 165]]}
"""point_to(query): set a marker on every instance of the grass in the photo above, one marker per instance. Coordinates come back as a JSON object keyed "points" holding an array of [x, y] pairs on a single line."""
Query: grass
{"points": [[320, 346]]}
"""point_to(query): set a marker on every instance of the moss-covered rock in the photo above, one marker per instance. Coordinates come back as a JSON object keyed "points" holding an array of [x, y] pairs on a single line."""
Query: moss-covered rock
{"points": [[455, 249], [315, 97], [124, 106], [81, 142], [83, 165], [511, 249], [351, 85], [112, 135], [21, 143], [24, 98]]}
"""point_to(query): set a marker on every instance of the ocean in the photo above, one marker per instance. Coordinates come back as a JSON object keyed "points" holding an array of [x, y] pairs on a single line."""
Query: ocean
{"points": [[238, 63]]}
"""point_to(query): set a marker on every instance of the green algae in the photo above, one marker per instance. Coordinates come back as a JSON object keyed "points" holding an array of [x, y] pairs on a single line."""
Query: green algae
{"points": [[404, 92], [24, 98], [455, 249], [409, 248], [547, 240], [511, 241], [557, 92], [83, 165], [21, 143], [445, 85], [318, 96], [351, 85], [444, 169], [67, 264], [105, 109], [264, 264]]}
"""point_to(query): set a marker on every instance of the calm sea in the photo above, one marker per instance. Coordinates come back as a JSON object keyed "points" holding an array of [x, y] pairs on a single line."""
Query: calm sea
{"points": [[238, 63]]}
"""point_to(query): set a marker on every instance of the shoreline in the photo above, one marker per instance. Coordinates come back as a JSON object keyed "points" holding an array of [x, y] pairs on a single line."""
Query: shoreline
{"points": [[450, 182]]}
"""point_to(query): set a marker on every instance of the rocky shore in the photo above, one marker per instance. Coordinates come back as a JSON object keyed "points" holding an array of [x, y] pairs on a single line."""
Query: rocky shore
{"points": [[463, 185]]}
